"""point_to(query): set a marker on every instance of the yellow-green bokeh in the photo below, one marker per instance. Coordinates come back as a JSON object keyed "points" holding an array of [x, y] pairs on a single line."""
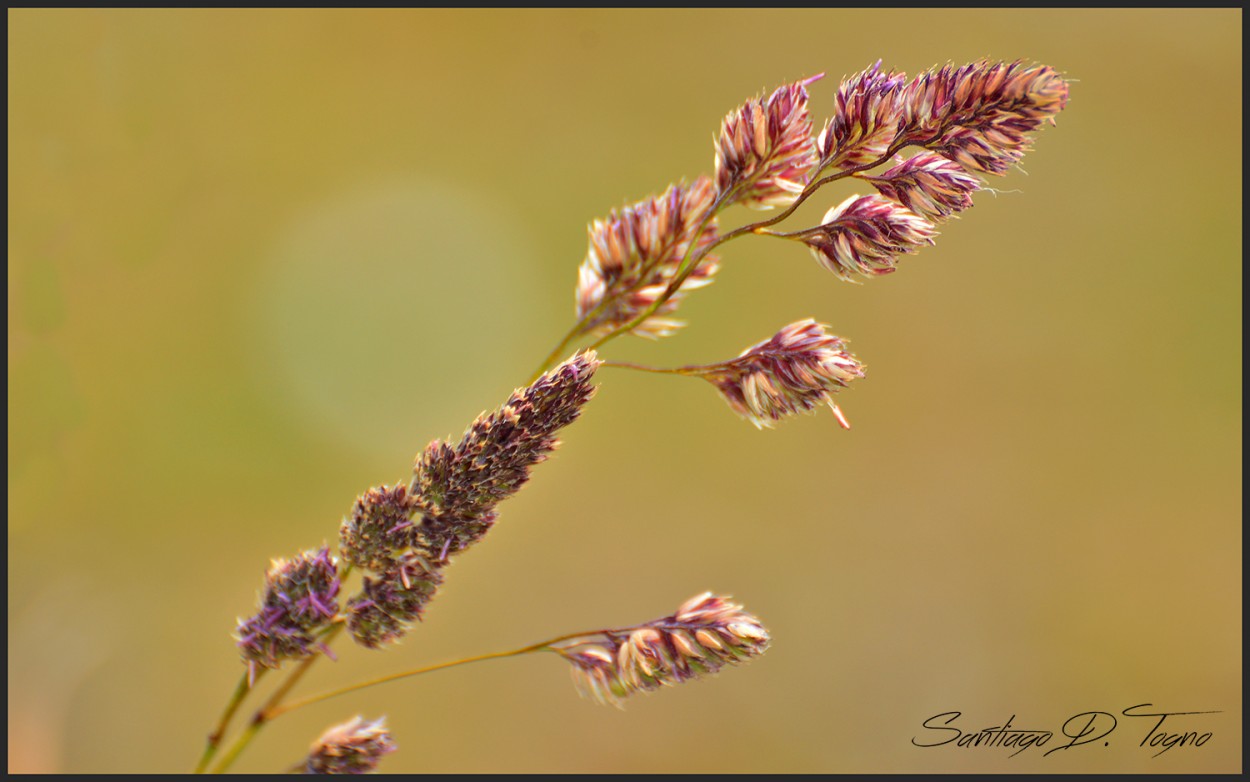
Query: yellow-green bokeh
{"points": [[258, 259]]}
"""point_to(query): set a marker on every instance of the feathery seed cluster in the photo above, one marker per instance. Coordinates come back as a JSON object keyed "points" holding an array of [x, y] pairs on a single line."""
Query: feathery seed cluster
{"points": [[795, 371], [765, 153], [707, 633], [635, 254]]}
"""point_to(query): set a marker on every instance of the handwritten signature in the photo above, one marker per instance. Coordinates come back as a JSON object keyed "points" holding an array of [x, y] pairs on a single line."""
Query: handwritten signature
{"points": [[1088, 727]]}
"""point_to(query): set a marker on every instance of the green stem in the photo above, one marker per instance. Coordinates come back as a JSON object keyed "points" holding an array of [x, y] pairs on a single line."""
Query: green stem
{"points": [[795, 235], [246, 683], [262, 714], [237, 747], [555, 354], [538, 647], [273, 707], [580, 327], [687, 370]]}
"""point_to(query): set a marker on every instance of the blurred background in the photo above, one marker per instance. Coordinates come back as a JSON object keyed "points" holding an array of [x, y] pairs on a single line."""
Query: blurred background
{"points": [[258, 259]]}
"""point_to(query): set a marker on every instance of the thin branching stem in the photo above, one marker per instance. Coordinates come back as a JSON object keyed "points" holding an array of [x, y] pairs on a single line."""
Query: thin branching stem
{"points": [[692, 259], [583, 324], [246, 683], [690, 262], [796, 235], [237, 747], [686, 370], [559, 349], [538, 647], [262, 715]]}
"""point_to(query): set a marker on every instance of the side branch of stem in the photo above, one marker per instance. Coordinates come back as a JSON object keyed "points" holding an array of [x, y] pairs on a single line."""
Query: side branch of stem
{"points": [[538, 647], [246, 683], [265, 712]]}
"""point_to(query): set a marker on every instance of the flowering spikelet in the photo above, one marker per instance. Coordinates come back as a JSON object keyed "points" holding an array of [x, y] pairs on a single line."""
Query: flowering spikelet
{"points": [[863, 234], [458, 486], [442, 535], [300, 596], [978, 114], [865, 119], [765, 154], [354, 747], [636, 253], [795, 371], [379, 527], [707, 633], [386, 606], [929, 185]]}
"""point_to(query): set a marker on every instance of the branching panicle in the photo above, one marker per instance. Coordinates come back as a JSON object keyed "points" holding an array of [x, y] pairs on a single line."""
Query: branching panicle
{"points": [[641, 261]]}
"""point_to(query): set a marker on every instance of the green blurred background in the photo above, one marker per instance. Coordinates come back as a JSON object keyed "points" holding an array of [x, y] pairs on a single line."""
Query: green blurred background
{"points": [[258, 259]]}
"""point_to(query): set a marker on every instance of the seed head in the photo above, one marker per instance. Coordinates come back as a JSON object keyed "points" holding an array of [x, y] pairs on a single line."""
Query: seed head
{"points": [[863, 234], [765, 154], [795, 371], [865, 121], [406, 535], [300, 596], [978, 114], [379, 528], [929, 185], [458, 486], [354, 747], [441, 535], [635, 254], [388, 605], [706, 634], [991, 149]]}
